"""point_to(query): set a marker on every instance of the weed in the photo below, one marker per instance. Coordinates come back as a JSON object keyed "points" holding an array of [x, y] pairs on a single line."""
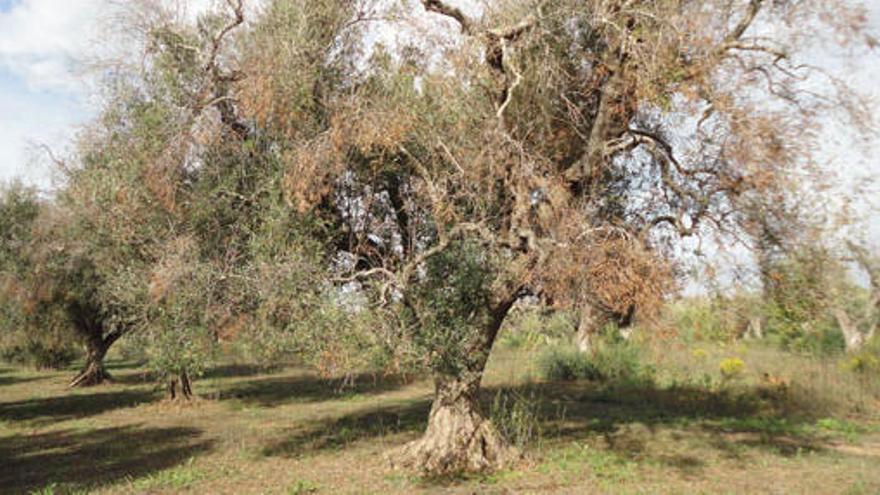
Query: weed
{"points": [[515, 414], [732, 368], [59, 489], [302, 487], [177, 478], [605, 464]]}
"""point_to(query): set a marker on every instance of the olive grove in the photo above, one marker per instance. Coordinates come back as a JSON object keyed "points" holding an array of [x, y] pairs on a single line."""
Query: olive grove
{"points": [[287, 181]]}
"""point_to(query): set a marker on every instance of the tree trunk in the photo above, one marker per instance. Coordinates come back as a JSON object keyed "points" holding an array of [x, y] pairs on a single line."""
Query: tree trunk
{"points": [[458, 437], [755, 329], [587, 330], [851, 334], [93, 373], [180, 388]]}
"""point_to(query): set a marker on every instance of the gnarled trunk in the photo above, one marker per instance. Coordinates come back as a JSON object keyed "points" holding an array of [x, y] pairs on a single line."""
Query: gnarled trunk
{"points": [[458, 438], [90, 323], [93, 372], [180, 388]]}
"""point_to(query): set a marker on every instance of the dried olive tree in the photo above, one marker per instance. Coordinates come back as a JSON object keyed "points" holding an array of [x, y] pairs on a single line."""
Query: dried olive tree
{"points": [[33, 330], [185, 193], [143, 193], [544, 146]]}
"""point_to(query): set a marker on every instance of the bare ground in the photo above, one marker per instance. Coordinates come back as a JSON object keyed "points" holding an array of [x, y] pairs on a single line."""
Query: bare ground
{"points": [[291, 432]]}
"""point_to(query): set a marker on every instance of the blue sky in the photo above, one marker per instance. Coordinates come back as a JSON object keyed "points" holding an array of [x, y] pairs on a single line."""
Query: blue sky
{"points": [[45, 91], [43, 96]]}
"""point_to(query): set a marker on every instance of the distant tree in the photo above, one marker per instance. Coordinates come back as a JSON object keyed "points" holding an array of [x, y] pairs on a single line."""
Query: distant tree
{"points": [[30, 334], [862, 328]]}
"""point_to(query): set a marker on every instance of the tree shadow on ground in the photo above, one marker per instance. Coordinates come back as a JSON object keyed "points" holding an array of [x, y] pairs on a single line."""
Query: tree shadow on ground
{"points": [[236, 370], [628, 419], [306, 387], [590, 407], [121, 364], [337, 433], [132, 377], [136, 375], [75, 406], [90, 459], [624, 418], [15, 380]]}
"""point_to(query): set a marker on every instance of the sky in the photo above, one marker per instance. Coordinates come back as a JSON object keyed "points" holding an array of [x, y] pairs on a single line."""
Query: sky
{"points": [[42, 98], [45, 89], [45, 94]]}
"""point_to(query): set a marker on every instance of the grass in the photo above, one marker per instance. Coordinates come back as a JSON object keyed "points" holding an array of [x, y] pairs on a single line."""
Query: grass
{"points": [[784, 424]]}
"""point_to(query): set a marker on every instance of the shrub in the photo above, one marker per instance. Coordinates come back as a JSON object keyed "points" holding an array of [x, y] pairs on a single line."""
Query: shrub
{"points": [[867, 360], [567, 363], [732, 368], [531, 327], [714, 319], [39, 355], [823, 339], [615, 361]]}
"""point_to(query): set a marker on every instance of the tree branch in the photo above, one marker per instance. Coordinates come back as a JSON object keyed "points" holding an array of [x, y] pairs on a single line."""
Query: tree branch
{"points": [[439, 7], [740, 29]]}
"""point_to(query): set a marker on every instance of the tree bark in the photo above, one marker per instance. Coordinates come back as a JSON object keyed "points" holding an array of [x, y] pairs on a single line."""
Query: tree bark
{"points": [[93, 372], [755, 329], [587, 330], [180, 388], [851, 334], [459, 438]]}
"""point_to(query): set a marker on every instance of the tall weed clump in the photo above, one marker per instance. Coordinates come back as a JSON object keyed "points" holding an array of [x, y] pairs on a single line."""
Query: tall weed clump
{"points": [[516, 415]]}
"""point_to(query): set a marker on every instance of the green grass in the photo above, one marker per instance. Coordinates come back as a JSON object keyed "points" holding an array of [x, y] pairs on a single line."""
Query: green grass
{"points": [[688, 430], [175, 478]]}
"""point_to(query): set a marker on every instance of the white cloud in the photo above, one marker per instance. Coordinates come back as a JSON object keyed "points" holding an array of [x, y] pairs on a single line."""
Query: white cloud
{"points": [[46, 47], [42, 40]]}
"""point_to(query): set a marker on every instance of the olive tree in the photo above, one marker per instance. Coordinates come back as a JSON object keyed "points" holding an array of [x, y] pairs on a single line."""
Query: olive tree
{"points": [[537, 137], [34, 329]]}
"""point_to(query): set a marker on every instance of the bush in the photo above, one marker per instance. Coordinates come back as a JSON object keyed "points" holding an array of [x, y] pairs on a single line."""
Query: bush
{"points": [[823, 340], [713, 319], [39, 355], [564, 363], [866, 361], [615, 361]]}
